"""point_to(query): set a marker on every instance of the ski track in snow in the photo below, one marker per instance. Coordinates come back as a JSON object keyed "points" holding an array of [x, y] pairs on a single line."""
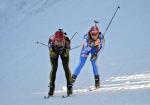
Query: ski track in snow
{"points": [[127, 82]]}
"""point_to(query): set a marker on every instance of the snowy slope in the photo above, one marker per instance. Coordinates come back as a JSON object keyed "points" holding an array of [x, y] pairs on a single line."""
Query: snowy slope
{"points": [[123, 65]]}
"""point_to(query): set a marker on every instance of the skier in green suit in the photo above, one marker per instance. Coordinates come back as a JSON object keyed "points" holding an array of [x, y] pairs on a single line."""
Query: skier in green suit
{"points": [[59, 45]]}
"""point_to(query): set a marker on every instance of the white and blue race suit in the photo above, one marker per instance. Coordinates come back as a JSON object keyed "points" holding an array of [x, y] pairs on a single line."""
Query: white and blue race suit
{"points": [[88, 47]]}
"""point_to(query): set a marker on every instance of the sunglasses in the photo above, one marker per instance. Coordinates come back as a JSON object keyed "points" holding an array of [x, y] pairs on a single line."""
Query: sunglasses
{"points": [[94, 33]]}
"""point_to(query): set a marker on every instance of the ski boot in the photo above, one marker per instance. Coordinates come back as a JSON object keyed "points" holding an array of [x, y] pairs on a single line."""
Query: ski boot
{"points": [[69, 89], [97, 81], [51, 89], [73, 79]]}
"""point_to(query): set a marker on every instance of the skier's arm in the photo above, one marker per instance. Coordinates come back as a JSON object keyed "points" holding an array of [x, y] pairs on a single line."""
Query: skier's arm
{"points": [[67, 43], [67, 47], [50, 42], [86, 46], [99, 47], [101, 43]]}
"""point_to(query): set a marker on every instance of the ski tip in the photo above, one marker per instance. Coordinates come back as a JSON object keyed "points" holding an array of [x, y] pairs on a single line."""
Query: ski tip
{"points": [[45, 97], [63, 96], [37, 42]]}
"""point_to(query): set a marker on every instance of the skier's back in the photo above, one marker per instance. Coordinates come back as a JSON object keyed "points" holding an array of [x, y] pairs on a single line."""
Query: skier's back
{"points": [[59, 45]]}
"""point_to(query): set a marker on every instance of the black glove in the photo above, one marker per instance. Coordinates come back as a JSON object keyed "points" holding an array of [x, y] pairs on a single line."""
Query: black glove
{"points": [[93, 57], [62, 50]]}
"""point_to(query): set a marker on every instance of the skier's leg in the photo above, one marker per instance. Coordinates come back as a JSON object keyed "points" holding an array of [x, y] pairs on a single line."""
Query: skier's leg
{"points": [[94, 66], [80, 65], [73, 78], [97, 81], [54, 64], [51, 89], [96, 74], [83, 57], [65, 62]]}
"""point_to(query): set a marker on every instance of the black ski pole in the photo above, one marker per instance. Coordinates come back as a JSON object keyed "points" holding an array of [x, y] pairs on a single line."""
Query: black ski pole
{"points": [[75, 47], [73, 35], [42, 43], [111, 20]]}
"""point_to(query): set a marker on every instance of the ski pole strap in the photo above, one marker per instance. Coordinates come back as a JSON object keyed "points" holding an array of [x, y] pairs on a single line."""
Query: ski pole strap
{"points": [[75, 47]]}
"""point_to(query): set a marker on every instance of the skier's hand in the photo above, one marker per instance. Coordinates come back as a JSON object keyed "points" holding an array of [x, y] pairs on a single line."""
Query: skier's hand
{"points": [[93, 57], [91, 45], [86, 48], [97, 42], [63, 50], [49, 46]]}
